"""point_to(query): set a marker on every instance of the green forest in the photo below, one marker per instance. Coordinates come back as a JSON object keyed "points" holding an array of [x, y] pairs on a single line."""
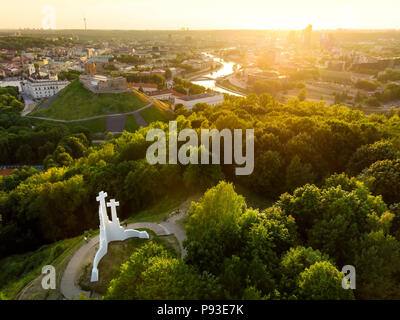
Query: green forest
{"points": [[22, 43], [331, 174]]}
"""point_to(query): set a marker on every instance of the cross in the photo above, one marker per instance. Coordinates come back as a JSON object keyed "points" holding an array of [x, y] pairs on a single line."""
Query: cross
{"points": [[113, 205], [102, 196], [103, 210]]}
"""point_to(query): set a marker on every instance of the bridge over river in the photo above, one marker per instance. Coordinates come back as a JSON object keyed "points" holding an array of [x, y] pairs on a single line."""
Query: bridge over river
{"points": [[209, 80]]}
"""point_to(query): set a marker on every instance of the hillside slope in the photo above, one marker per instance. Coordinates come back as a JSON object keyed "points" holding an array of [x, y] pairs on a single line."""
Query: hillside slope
{"points": [[76, 102]]}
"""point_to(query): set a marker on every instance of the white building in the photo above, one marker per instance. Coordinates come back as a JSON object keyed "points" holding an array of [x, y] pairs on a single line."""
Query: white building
{"points": [[211, 98], [43, 88]]}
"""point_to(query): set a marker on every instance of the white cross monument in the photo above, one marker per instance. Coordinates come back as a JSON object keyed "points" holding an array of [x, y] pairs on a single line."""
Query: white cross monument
{"points": [[110, 231]]}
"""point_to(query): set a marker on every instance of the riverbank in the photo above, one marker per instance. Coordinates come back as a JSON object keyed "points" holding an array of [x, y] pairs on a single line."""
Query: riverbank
{"points": [[198, 74], [211, 78], [223, 85]]}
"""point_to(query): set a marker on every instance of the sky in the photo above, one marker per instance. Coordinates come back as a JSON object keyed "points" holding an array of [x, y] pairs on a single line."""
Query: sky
{"points": [[204, 14]]}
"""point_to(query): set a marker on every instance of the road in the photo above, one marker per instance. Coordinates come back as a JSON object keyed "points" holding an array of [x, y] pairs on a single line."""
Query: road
{"points": [[85, 254]]}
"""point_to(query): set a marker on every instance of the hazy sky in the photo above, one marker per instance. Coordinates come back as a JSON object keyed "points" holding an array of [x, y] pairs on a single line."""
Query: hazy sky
{"points": [[204, 14]]}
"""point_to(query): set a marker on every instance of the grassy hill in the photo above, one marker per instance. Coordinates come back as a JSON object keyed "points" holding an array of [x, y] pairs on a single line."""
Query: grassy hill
{"points": [[76, 102], [131, 124], [97, 125], [156, 113]]}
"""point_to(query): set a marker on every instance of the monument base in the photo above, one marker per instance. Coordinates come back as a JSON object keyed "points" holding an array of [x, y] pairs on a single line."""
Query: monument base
{"points": [[95, 275]]}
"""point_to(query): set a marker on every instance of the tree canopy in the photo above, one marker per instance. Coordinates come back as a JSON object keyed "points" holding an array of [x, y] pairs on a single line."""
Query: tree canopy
{"points": [[330, 173]]}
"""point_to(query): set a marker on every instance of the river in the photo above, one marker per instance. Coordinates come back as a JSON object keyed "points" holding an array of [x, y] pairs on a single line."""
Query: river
{"points": [[227, 69]]}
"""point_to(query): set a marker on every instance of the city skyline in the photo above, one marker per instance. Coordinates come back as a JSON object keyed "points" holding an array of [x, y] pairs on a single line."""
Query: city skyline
{"points": [[204, 15]]}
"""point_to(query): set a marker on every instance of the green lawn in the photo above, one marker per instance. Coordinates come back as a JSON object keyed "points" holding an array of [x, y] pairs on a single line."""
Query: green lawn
{"points": [[228, 85], [94, 125], [76, 102], [131, 125], [161, 209], [156, 113]]}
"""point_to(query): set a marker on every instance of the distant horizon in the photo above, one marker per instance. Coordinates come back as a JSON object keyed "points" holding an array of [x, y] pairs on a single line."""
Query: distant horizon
{"points": [[201, 15], [184, 30]]}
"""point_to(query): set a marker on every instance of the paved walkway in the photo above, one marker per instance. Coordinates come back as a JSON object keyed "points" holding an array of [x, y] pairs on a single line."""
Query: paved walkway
{"points": [[85, 254], [140, 120], [115, 124], [177, 231]]}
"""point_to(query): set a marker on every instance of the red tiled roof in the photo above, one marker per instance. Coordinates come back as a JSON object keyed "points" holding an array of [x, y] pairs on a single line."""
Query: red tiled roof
{"points": [[6, 172]]}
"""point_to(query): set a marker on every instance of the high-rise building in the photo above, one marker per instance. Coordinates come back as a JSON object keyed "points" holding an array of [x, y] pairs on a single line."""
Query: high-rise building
{"points": [[307, 33]]}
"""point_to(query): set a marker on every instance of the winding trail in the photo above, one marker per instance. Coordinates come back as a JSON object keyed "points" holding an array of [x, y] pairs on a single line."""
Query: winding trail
{"points": [[152, 101], [140, 120], [85, 254]]}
